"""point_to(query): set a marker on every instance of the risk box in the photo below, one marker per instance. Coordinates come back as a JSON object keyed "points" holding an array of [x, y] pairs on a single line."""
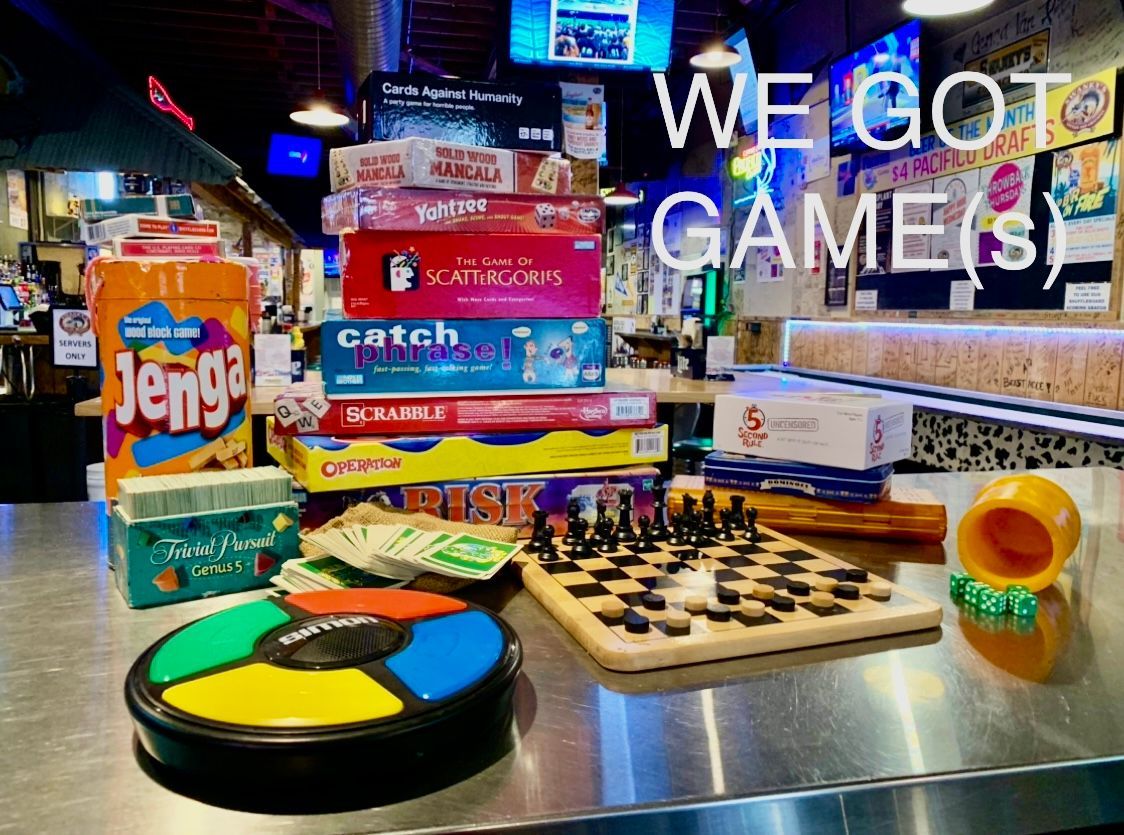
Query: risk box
{"points": [[423, 210], [345, 463], [504, 500], [413, 274], [143, 226], [432, 163], [834, 430], [305, 410], [379, 357]]}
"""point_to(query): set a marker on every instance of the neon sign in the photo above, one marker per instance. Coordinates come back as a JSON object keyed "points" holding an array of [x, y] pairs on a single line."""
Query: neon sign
{"points": [[753, 167], [158, 95]]}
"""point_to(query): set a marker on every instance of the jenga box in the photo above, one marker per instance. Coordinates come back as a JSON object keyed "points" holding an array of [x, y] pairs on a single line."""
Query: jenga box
{"points": [[173, 341]]}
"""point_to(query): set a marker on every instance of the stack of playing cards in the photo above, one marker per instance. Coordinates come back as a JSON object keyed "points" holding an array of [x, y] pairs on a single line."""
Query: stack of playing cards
{"points": [[186, 494], [320, 573], [401, 552]]}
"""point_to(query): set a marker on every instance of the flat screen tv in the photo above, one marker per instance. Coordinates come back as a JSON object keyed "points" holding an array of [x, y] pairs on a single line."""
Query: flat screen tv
{"points": [[897, 51], [748, 104], [293, 156], [592, 34]]}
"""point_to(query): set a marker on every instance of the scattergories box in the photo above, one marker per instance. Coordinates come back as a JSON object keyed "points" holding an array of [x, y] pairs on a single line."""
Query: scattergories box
{"points": [[431, 163], [380, 357], [144, 226], [770, 475], [835, 430], [503, 500], [345, 463], [304, 409], [422, 210], [403, 275]]}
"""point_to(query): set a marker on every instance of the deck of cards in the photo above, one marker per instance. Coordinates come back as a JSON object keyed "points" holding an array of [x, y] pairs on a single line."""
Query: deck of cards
{"points": [[401, 552], [327, 572]]}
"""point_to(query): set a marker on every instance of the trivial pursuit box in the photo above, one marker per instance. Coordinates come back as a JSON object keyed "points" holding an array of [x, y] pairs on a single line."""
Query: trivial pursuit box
{"points": [[174, 558], [447, 356], [402, 275], [335, 463]]}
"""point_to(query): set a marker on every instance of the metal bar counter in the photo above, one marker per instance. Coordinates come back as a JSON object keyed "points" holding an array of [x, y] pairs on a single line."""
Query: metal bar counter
{"points": [[952, 729]]}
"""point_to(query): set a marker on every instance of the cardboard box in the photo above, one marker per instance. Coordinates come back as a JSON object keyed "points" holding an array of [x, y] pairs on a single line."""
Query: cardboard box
{"points": [[306, 410], [835, 430], [168, 249], [176, 558], [406, 275], [379, 357], [769, 475], [431, 163], [164, 205], [423, 210], [504, 500], [321, 463], [143, 226]]}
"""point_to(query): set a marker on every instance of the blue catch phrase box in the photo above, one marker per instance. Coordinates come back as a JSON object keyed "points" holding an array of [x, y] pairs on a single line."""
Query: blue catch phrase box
{"points": [[768, 475], [448, 356]]}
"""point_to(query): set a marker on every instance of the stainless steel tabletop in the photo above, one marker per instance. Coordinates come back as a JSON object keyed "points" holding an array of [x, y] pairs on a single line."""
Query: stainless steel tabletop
{"points": [[809, 737]]}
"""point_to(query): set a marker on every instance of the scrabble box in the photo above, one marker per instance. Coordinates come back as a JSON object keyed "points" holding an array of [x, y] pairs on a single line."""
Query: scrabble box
{"points": [[405, 275], [422, 210], [431, 163], [168, 249], [379, 357], [503, 500], [305, 410], [853, 432], [176, 558], [345, 463], [143, 226], [769, 475], [165, 205]]}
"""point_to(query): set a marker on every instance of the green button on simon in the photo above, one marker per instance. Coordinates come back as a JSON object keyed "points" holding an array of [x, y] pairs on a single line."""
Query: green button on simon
{"points": [[219, 639]]}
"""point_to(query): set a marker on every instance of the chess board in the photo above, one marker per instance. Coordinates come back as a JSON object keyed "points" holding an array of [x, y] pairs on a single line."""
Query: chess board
{"points": [[576, 589]]}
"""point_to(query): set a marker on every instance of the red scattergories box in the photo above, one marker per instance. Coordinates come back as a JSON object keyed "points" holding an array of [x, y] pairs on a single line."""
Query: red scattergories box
{"points": [[303, 409], [426, 210], [404, 275]]}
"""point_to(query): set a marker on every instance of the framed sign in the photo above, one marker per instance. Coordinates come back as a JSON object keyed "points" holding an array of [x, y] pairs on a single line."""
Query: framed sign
{"points": [[73, 344]]}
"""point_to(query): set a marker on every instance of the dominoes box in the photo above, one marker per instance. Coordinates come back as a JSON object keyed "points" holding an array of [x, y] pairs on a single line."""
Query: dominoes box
{"points": [[341, 463], [503, 500], [769, 475], [306, 410], [379, 357], [422, 210], [835, 430], [404, 275]]}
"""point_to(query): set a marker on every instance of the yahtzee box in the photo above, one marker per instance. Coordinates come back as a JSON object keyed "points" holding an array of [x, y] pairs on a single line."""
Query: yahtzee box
{"points": [[835, 430], [405, 275]]}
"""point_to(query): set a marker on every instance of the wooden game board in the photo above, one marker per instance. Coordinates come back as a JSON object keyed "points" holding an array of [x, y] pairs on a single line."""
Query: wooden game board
{"points": [[574, 591]]}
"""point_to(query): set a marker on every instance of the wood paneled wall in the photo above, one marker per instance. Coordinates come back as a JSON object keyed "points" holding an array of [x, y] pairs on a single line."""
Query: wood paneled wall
{"points": [[761, 347]]}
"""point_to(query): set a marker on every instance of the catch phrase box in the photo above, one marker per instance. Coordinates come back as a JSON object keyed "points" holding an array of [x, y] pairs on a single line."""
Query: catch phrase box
{"points": [[379, 357], [506, 500], [333, 463], [423, 210], [413, 274], [305, 410]]}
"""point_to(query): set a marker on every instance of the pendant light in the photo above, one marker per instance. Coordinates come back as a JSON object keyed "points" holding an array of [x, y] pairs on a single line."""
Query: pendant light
{"points": [[943, 8], [716, 55], [622, 195], [318, 112]]}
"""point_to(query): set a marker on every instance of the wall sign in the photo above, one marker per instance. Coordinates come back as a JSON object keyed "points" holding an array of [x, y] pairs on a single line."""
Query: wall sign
{"points": [[73, 344], [158, 95]]}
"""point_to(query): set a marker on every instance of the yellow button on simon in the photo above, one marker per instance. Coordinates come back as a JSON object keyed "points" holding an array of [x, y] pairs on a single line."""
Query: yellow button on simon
{"points": [[273, 697]]}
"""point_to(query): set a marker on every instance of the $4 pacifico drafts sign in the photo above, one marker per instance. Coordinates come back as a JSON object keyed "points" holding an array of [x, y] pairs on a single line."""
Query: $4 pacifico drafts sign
{"points": [[174, 352]]}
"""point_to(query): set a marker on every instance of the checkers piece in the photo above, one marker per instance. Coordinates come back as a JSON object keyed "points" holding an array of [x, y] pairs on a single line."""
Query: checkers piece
{"points": [[880, 590], [636, 623], [826, 583], [823, 599], [695, 603], [728, 596], [613, 609], [654, 601], [783, 604], [763, 592], [717, 611], [798, 588], [678, 619], [846, 591], [856, 575], [753, 608]]}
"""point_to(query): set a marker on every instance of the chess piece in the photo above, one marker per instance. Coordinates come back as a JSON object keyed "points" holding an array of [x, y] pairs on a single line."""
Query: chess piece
{"points": [[602, 518], [659, 511], [582, 547], [535, 545], [609, 543], [625, 533], [573, 517], [696, 535], [727, 533], [737, 511], [709, 527], [751, 522], [689, 503], [548, 552], [645, 545], [677, 534], [538, 521]]}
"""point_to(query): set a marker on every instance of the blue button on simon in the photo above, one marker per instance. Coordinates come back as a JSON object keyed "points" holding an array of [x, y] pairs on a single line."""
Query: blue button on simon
{"points": [[447, 655]]}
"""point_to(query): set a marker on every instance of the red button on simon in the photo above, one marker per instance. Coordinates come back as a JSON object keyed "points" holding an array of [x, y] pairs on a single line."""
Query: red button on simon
{"points": [[390, 603]]}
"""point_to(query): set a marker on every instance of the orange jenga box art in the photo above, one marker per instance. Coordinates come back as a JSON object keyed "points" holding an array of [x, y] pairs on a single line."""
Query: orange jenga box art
{"points": [[175, 365]]}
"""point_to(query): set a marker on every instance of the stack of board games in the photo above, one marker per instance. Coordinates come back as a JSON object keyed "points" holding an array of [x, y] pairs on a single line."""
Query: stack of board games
{"points": [[471, 355], [151, 227]]}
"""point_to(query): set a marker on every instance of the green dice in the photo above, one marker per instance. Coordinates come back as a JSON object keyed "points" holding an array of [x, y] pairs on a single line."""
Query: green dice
{"points": [[974, 591], [991, 602], [1014, 589], [1022, 605], [957, 584]]}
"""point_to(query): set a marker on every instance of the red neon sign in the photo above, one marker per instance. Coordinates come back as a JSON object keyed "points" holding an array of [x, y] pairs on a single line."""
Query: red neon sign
{"points": [[158, 95]]}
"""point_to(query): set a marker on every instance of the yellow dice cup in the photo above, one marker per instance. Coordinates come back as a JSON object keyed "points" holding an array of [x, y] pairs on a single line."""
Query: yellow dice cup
{"points": [[1020, 530]]}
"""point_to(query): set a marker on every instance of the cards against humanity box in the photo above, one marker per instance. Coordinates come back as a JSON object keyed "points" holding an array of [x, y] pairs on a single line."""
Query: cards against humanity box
{"points": [[378, 357], [836, 430], [423, 210], [403, 275], [526, 116], [167, 205], [305, 410], [504, 500], [770, 475], [142, 226], [344, 463]]}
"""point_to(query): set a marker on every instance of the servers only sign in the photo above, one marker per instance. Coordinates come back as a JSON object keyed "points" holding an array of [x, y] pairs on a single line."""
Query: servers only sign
{"points": [[73, 344]]}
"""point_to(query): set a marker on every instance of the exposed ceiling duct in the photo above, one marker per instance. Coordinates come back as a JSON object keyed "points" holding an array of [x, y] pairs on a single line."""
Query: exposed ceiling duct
{"points": [[369, 35]]}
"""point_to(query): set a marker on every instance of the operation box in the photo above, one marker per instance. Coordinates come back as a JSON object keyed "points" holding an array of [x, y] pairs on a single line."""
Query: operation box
{"points": [[413, 274], [306, 410], [422, 210], [334, 463], [379, 357]]}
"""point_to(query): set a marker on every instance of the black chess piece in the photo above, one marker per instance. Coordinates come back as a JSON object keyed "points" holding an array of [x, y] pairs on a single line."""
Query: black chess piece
{"points": [[582, 547], [549, 550], [538, 522], [677, 536], [573, 517], [737, 513], [573, 509], [645, 544], [751, 521], [599, 524], [610, 543], [659, 511], [689, 503], [535, 544], [727, 533], [625, 533], [709, 526]]}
